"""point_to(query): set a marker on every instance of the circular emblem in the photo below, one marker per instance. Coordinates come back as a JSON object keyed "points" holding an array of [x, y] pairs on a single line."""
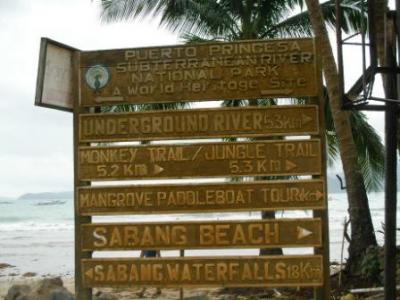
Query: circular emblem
{"points": [[97, 77]]}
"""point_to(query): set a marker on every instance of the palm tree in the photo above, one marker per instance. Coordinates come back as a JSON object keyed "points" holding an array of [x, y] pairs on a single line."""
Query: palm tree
{"points": [[196, 20], [362, 234]]}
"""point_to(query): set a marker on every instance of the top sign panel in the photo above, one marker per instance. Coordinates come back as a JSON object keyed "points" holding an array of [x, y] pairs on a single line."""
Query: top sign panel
{"points": [[208, 71]]}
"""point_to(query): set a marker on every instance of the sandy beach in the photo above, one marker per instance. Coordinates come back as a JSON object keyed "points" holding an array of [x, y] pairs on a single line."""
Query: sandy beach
{"points": [[121, 294]]}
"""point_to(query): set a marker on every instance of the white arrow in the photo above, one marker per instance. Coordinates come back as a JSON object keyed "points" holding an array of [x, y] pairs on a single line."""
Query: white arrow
{"points": [[302, 233], [305, 119], [318, 195], [158, 169], [289, 165], [89, 273]]}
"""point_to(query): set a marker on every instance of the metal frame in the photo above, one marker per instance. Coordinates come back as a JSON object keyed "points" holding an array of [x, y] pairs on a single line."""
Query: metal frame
{"points": [[360, 93], [358, 98], [44, 42]]}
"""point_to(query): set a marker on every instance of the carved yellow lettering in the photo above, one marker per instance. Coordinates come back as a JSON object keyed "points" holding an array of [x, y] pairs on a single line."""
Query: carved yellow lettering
{"points": [[206, 235], [116, 239], [99, 234], [179, 235], [186, 274], [209, 272], [134, 274], [238, 236], [221, 234], [246, 272], [111, 274], [122, 271], [99, 273], [147, 237], [157, 274], [222, 272], [280, 269]]}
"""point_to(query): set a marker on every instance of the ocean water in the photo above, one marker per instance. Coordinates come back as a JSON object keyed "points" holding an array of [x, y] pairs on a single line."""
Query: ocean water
{"points": [[38, 235]]}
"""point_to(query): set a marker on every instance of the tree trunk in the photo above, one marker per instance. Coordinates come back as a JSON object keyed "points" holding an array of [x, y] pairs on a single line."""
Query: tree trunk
{"points": [[362, 230]]}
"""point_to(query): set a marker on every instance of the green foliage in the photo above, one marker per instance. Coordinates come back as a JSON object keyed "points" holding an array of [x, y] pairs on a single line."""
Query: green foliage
{"points": [[228, 20], [145, 107], [370, 149], [232, 19], [372, 264]]}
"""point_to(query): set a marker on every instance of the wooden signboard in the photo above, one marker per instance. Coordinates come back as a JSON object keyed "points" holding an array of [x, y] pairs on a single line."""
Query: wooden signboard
{"points": [[245, 271], [283, 157], [206, 71], [199, 123], [248, 196], [78, 81], [202, 235], [54, 88]]}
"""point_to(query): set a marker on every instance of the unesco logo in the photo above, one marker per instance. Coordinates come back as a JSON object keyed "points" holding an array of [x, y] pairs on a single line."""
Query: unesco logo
{"points": [[97, 77]]}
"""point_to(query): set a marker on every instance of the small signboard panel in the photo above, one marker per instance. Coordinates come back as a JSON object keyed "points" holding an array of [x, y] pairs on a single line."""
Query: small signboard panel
{"points": [[242, 271], [221, 197], [199, 123], [205, 71], [54, 88], [202, 235], [284, 157]]}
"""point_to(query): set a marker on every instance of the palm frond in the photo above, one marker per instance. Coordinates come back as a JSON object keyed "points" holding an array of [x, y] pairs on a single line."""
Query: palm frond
{"points": [[116, 10], [299, 25], [145, 107], [234, 103], [370, 151]]}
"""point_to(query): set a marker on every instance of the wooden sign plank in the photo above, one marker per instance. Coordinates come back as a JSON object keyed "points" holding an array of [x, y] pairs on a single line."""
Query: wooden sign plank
{"points": [[283, 157], [202, 235], [206, 71], [199, 123], [192, 198], [245, 271]]}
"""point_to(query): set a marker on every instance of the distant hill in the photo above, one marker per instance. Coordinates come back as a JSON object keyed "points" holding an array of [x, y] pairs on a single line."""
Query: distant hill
{"points": [[47, 195], [6, 199]]}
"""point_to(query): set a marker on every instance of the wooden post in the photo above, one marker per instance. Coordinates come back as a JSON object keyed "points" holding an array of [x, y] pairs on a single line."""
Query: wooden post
{"points": [[81, 293], [181, 254], [322, 293], [391, 115]]}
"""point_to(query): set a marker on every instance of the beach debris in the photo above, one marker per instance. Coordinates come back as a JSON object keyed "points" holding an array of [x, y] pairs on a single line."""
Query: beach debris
{"points": [[198, 297], [348, 296], [18, 292], [4, 266], [104, 296], [46, 289]]}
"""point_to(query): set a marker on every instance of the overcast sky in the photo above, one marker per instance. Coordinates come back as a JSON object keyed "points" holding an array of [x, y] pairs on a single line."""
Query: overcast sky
{"points": [[36, 143]]}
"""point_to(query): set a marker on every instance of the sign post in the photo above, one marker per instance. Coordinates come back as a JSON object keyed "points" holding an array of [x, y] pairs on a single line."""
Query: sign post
{"points": [[210, 71]]}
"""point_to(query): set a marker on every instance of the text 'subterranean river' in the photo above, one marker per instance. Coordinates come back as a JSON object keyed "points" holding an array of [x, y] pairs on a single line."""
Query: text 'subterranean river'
{"points": [[209, 71]]}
